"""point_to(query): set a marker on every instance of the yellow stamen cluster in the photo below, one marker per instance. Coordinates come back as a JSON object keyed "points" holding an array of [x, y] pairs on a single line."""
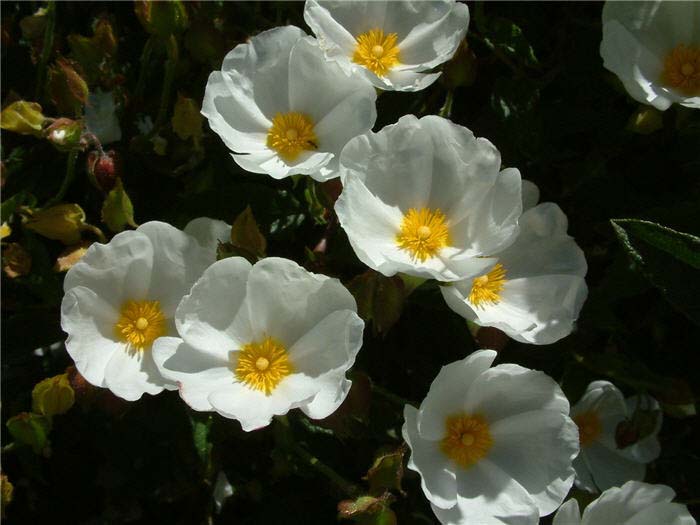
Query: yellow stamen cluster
{"points": [[682, 70], [486, 289], [376, 51], [423, 233], [140, 323], [290, 134], [263, 365], [467, 439], [589, 427]]}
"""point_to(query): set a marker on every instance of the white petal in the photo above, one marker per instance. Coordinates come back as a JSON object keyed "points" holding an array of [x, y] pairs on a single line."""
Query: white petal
{"points": [[530, 193], [620, 504], [406, 80], [209, 233], [353, 115], [178, 261], [448, 392], [117, 271], [666, 513], [356, 17], [130, 374], [648, 448], [232, 113], [214, 317], [253, 409], [89, 322], [485, 492], [536, 449], [333, 38], [286, 301], [611, 469], [264, 64], [333, 343], [437, 478], [436, 31], [584, 477], [334, 388], [509, 390], [568, 514], [195, 373]]}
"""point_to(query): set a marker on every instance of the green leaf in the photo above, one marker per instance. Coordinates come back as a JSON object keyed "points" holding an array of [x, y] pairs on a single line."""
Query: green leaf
{"points": [[386, 472], [379, 299], [201, 427], [507, 37], [117, 210], [30, 429], [667, 258]]}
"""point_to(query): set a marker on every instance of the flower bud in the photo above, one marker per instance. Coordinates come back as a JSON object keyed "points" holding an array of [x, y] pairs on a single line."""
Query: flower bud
{"points": [[23, 117], [53, 396], [161, 18], [67, 88], [103, 169], [62, 223], [65, 134], [645, 121]]}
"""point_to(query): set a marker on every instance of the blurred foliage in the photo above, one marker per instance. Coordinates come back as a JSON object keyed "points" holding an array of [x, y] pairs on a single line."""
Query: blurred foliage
{"points": [[530, 80]]}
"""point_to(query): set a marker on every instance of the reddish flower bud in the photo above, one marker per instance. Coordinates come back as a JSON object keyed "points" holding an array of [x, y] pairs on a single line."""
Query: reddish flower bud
{"points": [[103, 169]]}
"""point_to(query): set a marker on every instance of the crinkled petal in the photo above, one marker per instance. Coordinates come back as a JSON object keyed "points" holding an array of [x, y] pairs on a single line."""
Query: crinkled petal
{"points": [[568, 514], [334, 388], [285, 301], [666, 513], [508, 390], [448, 392], [437, 477], [195, 373], [621, 503], [117, 271], [89, 322], [130, 374], [611, 469], [214, 317], [536, 449]]}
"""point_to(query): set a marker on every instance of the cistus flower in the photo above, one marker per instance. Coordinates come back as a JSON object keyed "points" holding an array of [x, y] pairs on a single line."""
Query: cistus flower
{"points": [[599, 414], [392, 44], [634, 503], [535, 288], [654, 48], [427, 198], [283, 109], [492, 444], [121, 296], [258, 341]]}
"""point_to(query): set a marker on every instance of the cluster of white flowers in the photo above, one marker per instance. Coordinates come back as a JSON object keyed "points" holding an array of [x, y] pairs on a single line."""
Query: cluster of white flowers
{"points": [[152, 310]]}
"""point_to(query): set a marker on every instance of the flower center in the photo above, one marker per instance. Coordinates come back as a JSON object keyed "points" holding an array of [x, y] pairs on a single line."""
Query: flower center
{"points": [[589, 427], [423, 233], [467, 439], [487, 288], [682, 70], [140, 323], [290, 134], [376, 51], [263, 365]]}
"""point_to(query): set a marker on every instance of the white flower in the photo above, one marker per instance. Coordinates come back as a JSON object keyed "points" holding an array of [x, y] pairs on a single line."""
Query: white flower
{"points": [[492, 445], [633, 503], [654, 48], [598, 413], [425, 197], [390, 43], [283, 109], [535, 290], [121, 296], [100, 117], [257, 341]]}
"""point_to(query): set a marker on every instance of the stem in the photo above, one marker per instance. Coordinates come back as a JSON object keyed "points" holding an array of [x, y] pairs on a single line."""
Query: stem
{"points": [[343, 484], [145, 60], [446, 109], [170, 63], [46, 50], [67, 180], [390, 396]]}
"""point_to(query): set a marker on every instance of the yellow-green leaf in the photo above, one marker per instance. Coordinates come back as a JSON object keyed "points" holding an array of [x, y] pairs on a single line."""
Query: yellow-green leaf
{"points": [[187, 120], [63, 222], [117, 210], [246, 235], [23, 117], [53, 396]]}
